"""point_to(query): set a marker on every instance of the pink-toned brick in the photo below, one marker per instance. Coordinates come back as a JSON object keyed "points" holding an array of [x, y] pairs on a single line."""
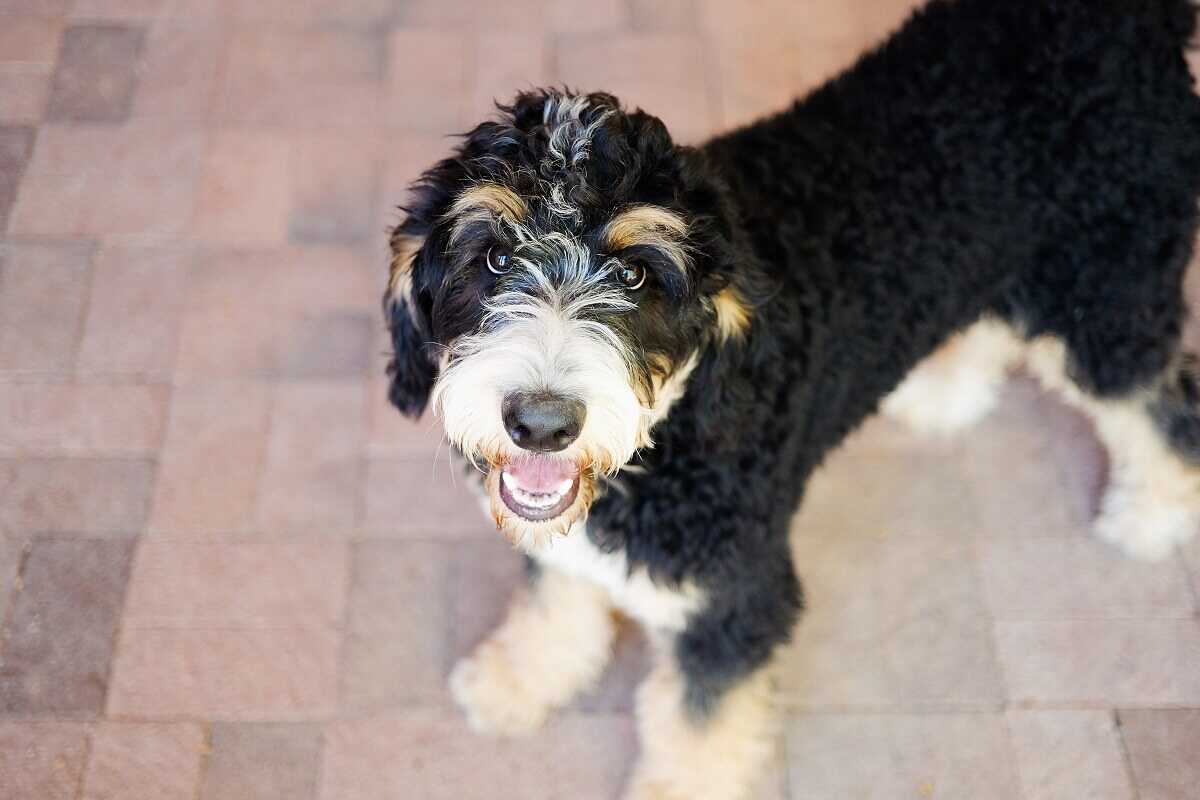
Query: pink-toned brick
{"points": [[23, 94], [424, 100], [179, 70], [1076, 579], [133, 313], [99, 496], [134, 179], [208, 472], [30, 40], [45, 288], [900, 755], [303, 79], [662, 73], [399, 625], [431, 754], [246, 190], [255, 761], [392, 435], [334, 188], [96, 73], [279, 674], [315, 13], [1064, 755], [293, 312], [1100, 663], [588, 16], [13, 547], [1162, 751], [507, 63], [237, 584], [423, 499], [648, 16], [133, 761], [312, 477], [81, 418], [41, 761]]}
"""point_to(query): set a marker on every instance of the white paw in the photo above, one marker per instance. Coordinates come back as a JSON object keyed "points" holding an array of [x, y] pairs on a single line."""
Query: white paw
{"points": [[494, 700], [936, 405], [650, 790], [1145, 531]]}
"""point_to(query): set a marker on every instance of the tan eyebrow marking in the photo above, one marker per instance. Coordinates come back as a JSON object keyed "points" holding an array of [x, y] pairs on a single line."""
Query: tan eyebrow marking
{"points": [[493, 197], [652, 226]]}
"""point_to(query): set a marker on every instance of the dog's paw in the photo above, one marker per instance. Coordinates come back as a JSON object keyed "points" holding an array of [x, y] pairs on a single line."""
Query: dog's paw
{"points": [[487, 689], [937, 405], [642, 789], [1145, 531]]}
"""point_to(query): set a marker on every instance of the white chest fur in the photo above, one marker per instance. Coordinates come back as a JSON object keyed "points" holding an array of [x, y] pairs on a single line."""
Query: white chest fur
{"points": [[654, 605]]}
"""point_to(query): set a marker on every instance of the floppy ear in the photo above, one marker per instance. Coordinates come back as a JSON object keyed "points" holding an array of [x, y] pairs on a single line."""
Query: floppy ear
{"points": [[406, 309]]}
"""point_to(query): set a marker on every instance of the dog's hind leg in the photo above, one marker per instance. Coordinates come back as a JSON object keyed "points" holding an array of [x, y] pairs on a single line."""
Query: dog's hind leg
{"points": [[958, 384], [555, 642], [1152, 434]]}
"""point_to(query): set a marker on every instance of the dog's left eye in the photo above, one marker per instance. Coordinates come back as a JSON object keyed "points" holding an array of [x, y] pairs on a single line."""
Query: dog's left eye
{"points": [[499, 259], [632, 275]]}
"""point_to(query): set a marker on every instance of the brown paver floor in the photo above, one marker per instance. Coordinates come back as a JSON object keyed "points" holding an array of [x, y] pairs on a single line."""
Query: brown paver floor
{"points": [[228, 570]]}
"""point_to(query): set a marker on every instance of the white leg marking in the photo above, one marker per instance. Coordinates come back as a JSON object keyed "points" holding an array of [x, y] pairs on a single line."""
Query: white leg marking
{"points": [[555, 642], [1152, 502], [957, 385]]}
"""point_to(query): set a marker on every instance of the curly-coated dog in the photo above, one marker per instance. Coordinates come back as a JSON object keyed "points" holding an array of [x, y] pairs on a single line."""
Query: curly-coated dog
{"points": [[646, 349]]}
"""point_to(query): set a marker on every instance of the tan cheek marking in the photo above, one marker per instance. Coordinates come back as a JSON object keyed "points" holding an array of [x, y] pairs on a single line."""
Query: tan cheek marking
{"points": [[733, 315], [404, 250]]}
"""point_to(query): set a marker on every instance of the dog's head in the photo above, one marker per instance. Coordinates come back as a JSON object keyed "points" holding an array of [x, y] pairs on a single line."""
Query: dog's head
{"points": [[552, 285]]}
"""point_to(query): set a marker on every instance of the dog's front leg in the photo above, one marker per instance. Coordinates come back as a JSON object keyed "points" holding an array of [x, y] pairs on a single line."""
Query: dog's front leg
{"points": [[554, 643]]}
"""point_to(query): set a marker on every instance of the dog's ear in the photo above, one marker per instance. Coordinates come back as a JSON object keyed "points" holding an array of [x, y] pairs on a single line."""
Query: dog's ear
{"points": [[412, 369]]}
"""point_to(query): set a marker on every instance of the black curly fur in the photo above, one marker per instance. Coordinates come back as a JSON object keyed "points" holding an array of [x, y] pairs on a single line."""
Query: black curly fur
{"points": [[1036, 159]]}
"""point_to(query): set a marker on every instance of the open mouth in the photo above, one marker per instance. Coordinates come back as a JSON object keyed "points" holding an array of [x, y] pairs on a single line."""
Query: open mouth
{"points": [[539, 488]]}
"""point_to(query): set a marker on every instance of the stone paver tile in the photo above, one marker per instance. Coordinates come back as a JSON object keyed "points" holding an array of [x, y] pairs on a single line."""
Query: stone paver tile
{"points": [[81, 418], [133, 314], [59, 637], [45, 287], [134, 761], [399, 625], [30, 40], [303, 79], [427, 101], [263, 761], [334, 189], [312, 477], [102, 496], [664, 73], [299, 312], [276, 675], [16, 144], [509, 62], [316, 13], [179, 70], [393, 435], [136, 179], [23, 94], [210, 463], [35, 8], [1162, 749], [588, 16], [96, 75], [122, 9], [899, 755], [1191, 558], [648, 16], [1078, 578], [42, 761], [897, 622], [422, 499], [1101, 663], [1065, 755], [431, 754], [485, 575], [13, 547], [246, 189], [518, 15], [237, 584]]}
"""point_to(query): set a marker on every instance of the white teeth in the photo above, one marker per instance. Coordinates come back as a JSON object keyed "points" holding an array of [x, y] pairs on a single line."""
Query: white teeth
{"points": [[565, 486], [537, 500], [510, 481]]}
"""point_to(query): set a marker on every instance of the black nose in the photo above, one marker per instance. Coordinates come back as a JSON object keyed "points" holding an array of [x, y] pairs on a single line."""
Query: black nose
{"points": [[542, 422]]}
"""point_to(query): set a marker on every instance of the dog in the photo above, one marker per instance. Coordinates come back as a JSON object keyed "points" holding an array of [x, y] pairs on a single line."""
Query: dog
{"points": [[645, 349]]}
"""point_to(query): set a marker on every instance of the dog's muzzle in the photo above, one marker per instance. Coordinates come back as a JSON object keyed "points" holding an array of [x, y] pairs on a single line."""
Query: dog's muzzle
{"points": [[540, 486]]}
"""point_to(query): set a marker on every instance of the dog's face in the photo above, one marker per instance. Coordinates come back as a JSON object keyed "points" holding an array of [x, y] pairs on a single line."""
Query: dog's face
{"points": [[552, 286]]}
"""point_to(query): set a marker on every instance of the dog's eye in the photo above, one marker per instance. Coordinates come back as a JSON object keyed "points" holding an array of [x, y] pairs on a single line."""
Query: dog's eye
{"points": [[632, 275], [499, 259]]}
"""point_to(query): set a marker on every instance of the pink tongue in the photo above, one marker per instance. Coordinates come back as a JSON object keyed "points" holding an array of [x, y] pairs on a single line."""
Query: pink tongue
{"points": [[540, 474]]}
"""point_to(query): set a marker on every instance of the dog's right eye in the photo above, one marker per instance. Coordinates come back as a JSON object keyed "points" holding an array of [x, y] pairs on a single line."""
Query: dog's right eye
{"points": [[499, 259]]}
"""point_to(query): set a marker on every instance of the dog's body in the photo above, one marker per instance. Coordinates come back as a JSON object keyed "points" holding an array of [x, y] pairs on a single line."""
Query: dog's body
{"points": [[1031, 169]]}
